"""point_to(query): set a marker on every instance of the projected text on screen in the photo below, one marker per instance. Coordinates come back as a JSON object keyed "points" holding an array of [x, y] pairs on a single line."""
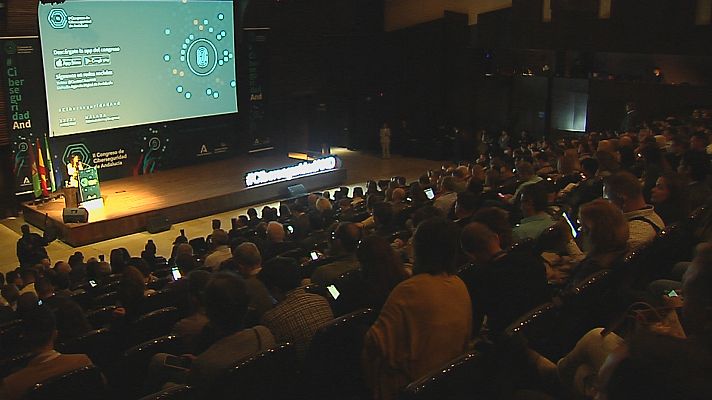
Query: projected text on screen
{"points": [[117, 63]]}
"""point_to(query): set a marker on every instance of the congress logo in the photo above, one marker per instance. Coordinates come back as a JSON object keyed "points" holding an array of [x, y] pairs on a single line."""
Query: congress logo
{"points": [[79, 149], [57, 18]]}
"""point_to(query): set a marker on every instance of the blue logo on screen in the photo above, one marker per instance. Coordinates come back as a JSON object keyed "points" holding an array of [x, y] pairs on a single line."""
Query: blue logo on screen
{"points": [[201, 57], [57, 18]]}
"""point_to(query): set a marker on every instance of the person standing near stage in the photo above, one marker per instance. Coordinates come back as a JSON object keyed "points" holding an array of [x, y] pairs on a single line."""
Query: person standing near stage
{"points": [[385, 141], [71, 192], [30, 248]]}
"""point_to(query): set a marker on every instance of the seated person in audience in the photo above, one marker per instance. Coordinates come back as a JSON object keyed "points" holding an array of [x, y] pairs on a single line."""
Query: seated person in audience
{"points": [[447, 195], [652, 366], [143, 267], [46, 293], [383, 219], [427, 319], [190, 327], [658, 366], [462, 176], [526, 177], [381, 270], [300, 222], [342, 247], [226, 305], [132, 290], [78, 273], [398, 201], [669, 196], [465, 206], [269, 214], [183, 249], [29, 277], [118, 260], [97, 272], [14, 278], [148, 254], [285, 214], [71, 322], [177, 242], [41, 332], [346, 211], [221, 251], [654, 165], [61, 283], [358, 193], [253, 219], [536, 220], [8, 303], [588, 189], [497, 220], [502, 285], [10, 294], [298, 314], [695, 166], [323, 214], [699, 142], [625, 191], [405, 248], [275, 243], [605, 239], [249, 264], [501, 177], [568, 168], [542, 163], [25, 304]]}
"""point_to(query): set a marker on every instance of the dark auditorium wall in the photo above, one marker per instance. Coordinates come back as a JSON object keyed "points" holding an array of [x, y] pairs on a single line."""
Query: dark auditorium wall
{"points": [[22, 17], [607, 101], [430, 73], [325, 62]]}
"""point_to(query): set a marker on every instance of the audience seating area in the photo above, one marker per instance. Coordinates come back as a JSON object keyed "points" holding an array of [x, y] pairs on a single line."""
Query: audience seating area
{"points": [[353, 250]]}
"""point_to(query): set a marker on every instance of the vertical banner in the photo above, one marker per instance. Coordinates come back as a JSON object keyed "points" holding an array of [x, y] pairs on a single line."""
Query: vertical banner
{"points": [[257, 66], [26, 109]]}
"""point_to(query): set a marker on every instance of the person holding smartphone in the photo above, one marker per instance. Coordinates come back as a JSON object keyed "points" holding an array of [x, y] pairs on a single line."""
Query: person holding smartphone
{"points": [[226, 303]]}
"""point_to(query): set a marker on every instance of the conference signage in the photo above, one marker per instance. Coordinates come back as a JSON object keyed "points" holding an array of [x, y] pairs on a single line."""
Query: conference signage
{"points": [[257, 86], [21, 63], [291, 172]]}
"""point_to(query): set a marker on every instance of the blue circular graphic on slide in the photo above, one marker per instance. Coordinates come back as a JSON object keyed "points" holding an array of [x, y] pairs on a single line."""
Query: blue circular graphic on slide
{"points": [[202, 57]]}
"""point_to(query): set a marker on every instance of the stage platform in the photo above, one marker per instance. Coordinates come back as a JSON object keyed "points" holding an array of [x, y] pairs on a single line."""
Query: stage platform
{"points": [[178, 195]]}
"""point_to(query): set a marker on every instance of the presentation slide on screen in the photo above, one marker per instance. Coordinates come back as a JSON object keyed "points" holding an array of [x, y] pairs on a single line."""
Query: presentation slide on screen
{"points": [[117, 63]]}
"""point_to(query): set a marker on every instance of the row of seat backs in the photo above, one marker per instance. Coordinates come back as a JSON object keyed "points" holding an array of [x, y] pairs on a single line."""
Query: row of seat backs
{"points": [[553, 328], [103, 345], [472, 375], [108, 295]]}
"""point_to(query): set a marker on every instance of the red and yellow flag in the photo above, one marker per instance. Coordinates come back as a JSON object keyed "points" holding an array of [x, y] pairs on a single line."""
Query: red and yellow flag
{"points": [[41, 170]]}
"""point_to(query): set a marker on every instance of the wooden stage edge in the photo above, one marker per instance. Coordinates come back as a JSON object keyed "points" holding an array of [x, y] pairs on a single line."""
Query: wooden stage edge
{"points": [[178, 195]]}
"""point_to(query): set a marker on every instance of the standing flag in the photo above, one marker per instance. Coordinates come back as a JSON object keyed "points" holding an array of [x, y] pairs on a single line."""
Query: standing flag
{"points": [[50, 167], [42, 171], [36, 186]]}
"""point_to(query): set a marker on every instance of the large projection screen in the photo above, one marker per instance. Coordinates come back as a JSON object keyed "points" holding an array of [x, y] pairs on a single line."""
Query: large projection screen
{"points": [[118, 63]]}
